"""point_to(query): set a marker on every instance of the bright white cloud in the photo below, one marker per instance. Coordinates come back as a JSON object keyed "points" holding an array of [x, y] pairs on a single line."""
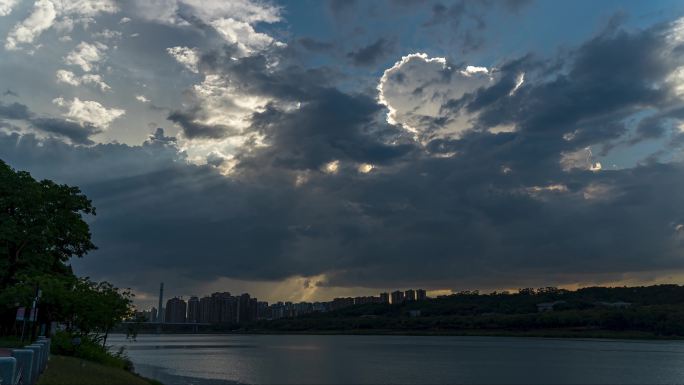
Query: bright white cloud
{"points": [[188, 57], [142, 99], [107, 34], [518, 83], [6, 6], [68, 77], [222, 102], [676, 79], [331, 167], [45, 15], [558, 188], [579, 159], [41, 18], [546, 192], [87, 8], [219, 99], [302, 178], [243, 35], [675, 35], [503, 128], [88, 112], [246, 10], [674, 39], [365, 168], [167, 11], [474, 70], [86, 55], [233, 20], [416, 89]]}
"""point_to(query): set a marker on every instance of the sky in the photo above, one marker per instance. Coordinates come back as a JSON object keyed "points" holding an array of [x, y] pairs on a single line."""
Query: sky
{"points": [[303, 150]]}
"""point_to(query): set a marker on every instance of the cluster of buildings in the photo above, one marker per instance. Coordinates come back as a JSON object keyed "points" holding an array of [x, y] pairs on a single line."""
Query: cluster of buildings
{"points": [[218, 308], [224, 308]]}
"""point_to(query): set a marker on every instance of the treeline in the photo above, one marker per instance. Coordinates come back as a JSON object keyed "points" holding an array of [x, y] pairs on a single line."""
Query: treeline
{"points": [[594, 311]]}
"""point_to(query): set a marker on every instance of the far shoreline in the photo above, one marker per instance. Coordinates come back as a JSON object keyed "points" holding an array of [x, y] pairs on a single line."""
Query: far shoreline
{"points": [[546, 333]]}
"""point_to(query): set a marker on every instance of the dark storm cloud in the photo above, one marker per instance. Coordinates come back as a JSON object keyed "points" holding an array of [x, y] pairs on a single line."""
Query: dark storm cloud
{"points": [[467, 19], [193, 129], [9, 92], [77, 133], [429, 221], [371, 53], [659, 124], [592, 95], [14, 111], [253, 75], [315, 45], [492, 209], [443, 14], [456, 12], [333, 126]]}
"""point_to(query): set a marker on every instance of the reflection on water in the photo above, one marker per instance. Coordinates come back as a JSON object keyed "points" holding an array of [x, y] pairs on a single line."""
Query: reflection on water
{"points": [[297, 359]]}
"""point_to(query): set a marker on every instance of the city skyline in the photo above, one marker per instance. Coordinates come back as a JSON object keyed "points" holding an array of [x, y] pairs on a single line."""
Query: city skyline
{"points": [[225, 308]]}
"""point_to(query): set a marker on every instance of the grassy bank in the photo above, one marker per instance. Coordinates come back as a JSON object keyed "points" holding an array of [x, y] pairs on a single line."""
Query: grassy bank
{"points": [[64, 370], [10, 342]]}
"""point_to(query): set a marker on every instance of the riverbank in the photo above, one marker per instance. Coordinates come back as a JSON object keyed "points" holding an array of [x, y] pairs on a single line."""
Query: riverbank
{"points": [[543, 333], [63, 370]]}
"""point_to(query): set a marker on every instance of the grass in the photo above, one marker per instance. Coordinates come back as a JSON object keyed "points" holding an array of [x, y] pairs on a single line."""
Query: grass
{"points": [[11, 342], [63, 370]]}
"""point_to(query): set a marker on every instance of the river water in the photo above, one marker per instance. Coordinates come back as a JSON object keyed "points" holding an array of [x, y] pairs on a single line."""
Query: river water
{"points": [[323, 359]]}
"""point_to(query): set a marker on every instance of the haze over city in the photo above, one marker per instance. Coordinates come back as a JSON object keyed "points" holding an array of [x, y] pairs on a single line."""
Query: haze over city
{"points": [[307, 150]]}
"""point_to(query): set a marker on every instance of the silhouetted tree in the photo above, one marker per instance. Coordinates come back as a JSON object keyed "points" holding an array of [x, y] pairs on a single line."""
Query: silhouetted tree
{"points": [[41, 225]]}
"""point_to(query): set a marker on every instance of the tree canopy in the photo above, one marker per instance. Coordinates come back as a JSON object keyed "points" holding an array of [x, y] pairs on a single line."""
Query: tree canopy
{"points": [[42, 227]]}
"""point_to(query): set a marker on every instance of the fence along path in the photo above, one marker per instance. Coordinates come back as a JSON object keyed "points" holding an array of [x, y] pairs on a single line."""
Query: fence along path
{"points": [[23, 366]]}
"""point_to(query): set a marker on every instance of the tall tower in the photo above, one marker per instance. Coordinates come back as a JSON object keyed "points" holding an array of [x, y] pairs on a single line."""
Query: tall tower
{"points": [[160, 313]]}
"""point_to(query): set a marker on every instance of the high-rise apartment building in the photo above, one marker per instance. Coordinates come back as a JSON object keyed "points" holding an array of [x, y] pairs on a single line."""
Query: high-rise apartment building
{"points": [[175, 311], [421, 295], [397, 297], [247, 308], [410, 295], [193, 310]]}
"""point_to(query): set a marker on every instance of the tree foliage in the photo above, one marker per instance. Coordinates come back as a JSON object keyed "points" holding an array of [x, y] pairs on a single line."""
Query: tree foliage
{"points": [[594, 311], [42, 227]]}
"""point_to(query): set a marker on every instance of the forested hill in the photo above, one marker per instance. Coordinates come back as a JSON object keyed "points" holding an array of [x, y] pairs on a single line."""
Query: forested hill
{"points": [[593, 311]]}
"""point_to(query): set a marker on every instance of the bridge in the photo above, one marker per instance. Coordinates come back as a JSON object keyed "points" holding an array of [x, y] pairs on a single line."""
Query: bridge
{"points": [[173, 327]]}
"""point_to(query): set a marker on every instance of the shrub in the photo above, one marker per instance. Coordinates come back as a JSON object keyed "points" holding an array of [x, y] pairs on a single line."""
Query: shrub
{"points": [[89, 348]]}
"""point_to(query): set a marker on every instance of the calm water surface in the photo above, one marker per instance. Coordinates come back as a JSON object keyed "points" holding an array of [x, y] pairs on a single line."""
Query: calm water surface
{"points": [[301, 359]]}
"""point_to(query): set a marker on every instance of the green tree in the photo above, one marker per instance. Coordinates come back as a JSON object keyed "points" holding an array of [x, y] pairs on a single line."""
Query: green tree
{"points": [[41, 228], [41, 225]]}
